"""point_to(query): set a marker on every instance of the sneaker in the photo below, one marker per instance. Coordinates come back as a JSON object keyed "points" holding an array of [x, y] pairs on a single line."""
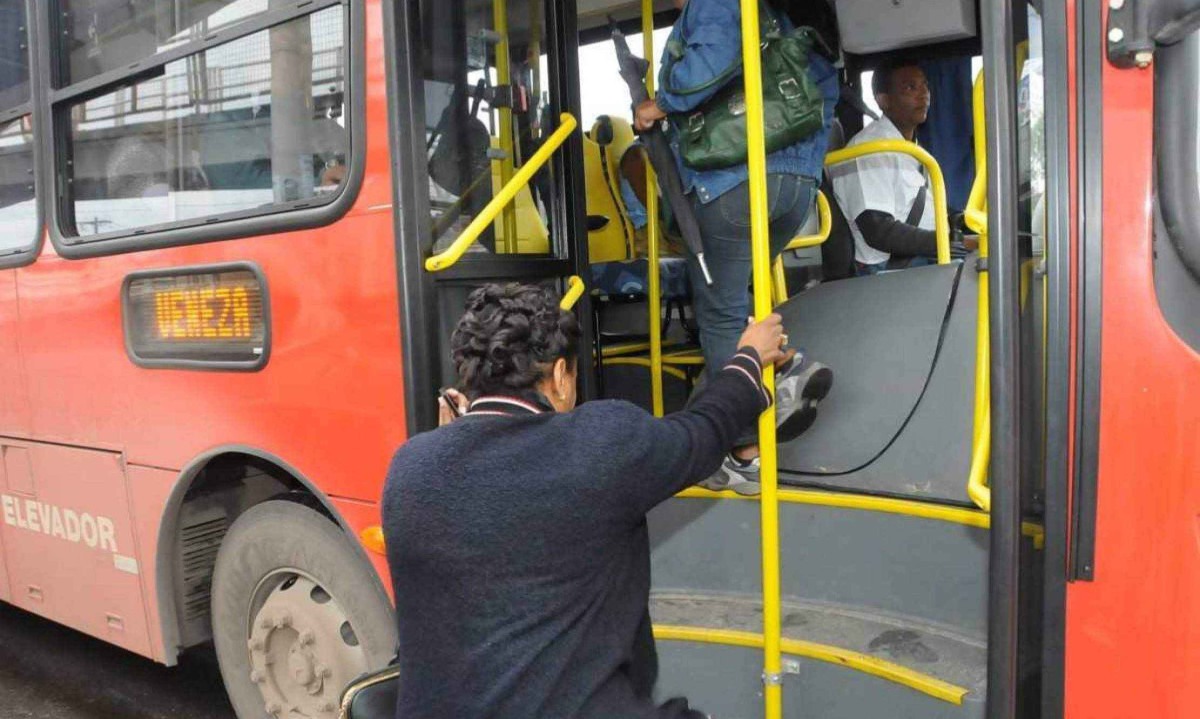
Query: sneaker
{"points": [[741, 477], [798, 390]]}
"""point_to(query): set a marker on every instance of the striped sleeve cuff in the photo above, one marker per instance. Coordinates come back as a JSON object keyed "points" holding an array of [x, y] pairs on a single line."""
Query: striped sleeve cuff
{"points": [[745, 364]]}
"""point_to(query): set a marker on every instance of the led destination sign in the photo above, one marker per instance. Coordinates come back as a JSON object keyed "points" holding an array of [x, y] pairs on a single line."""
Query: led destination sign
{"points": [[211, 317]]}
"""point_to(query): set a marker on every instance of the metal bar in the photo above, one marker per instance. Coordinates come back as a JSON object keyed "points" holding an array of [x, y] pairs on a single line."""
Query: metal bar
{"points": [[653, 233], [1005, 536], [761, 262], [567, 195], [488, 214], [936, 180], [976, 218], [574, 291], [410, 190], [779, 288], [504, 79], [14, 113], [1090, 135], [1058, 354], [847, 658], [826, 226]]}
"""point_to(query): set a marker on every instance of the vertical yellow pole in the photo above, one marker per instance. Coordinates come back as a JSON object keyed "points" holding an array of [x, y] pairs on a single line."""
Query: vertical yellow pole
{"points": [[761, 261], [652, 233], [504, 79]]}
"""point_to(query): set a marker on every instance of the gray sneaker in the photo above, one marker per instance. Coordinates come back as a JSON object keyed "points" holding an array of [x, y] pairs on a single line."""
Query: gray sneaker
{"points": [[798, 391], [733, 474]]}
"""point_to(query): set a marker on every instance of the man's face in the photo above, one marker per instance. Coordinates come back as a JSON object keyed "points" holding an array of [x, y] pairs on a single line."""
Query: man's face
{"points": [[679, 4], [907, 100]]}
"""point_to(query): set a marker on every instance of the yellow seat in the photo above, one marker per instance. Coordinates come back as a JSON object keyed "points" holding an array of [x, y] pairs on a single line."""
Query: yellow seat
{"points": [[601, 172], [532, 236]]}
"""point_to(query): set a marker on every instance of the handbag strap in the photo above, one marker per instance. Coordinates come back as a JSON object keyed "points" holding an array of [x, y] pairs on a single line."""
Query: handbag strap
{"points": [[769, 26]]}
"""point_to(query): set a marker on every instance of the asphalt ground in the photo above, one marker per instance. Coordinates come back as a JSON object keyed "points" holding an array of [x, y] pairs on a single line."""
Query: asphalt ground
{"points": [[50, 672]]}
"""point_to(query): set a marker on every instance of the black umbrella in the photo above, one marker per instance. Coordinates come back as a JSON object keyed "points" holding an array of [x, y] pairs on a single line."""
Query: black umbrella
{"points": [[633, 72]]}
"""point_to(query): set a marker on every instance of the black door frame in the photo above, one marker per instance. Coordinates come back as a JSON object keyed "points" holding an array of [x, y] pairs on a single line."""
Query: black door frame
{"points": [[417, 288]]}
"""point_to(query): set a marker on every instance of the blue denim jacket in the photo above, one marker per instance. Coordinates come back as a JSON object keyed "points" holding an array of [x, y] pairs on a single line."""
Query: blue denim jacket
{"points": [[711, 31]]}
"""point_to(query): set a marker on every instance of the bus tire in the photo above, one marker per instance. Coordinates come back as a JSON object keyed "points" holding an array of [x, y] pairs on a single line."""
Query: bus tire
{"points": [[297, 613]]}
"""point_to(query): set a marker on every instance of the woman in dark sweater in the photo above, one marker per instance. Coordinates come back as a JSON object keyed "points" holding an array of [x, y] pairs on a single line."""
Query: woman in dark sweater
{"points": [[516, 535]]}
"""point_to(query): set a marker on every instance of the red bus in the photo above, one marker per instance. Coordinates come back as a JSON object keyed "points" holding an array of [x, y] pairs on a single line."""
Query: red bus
{"points": [[236, 234]]}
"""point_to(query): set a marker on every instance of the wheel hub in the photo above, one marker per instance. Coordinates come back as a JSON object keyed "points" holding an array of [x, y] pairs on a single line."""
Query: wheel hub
{"points": [[303, 650]]}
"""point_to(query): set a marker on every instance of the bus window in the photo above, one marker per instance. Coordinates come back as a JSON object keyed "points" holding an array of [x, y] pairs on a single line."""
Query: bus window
{"points": [[14, 55], [18, 210], [485, 114], [239, 129], [104, 35]]}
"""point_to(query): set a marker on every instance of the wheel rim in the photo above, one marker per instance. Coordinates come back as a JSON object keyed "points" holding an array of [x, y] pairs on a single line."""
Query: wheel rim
{"points": [[303, 648]]}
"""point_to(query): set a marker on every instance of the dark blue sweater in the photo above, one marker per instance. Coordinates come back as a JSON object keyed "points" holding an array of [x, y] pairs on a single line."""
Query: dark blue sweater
{"points": [[519, 554]]}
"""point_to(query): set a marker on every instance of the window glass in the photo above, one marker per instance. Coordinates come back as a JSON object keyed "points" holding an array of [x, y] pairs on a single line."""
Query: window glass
{"points": [[18, 211], [485, 113], [102, 35], [242, 127], [14, 55]]}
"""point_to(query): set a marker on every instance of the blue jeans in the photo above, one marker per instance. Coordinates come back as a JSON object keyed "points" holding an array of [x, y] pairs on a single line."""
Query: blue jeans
{"points": [[722, 309]]}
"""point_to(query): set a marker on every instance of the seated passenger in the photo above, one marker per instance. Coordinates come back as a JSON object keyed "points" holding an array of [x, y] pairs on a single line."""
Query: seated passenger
{"points": [[885, 197]]}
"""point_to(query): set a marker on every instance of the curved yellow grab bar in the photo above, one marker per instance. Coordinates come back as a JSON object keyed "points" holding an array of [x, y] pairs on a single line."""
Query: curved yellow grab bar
{"points": [[573, 293], [779, 290], [936, 181], [826, 226], [882, 668], [488, 215], [977, 488]]}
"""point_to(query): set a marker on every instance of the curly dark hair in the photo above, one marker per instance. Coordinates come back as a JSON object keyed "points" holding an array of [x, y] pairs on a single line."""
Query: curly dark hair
{"points": [[509, 337]]}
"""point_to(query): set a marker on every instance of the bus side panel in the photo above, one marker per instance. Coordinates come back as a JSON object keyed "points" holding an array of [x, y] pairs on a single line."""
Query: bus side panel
{"points": [[14, 404], [70, 548], [1133, 634], [149, 488], [329, 401]]}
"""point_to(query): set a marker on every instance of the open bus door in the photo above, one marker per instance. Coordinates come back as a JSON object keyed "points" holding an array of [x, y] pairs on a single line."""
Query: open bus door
{"points": [[487, 166]]}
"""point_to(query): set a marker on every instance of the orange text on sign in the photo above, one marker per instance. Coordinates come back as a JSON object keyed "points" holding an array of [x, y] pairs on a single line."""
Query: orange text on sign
{"points": [[208, 313]]}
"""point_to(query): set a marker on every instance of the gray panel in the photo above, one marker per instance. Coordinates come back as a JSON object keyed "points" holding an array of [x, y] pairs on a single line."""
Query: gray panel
{"points": [[880, 335], [726, 682], [931, 457], [1178, 292], [930, 650], [927, 569]]}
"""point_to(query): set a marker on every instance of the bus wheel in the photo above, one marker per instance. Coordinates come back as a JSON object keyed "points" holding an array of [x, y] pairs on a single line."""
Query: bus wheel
{"points": [[297, 613]]}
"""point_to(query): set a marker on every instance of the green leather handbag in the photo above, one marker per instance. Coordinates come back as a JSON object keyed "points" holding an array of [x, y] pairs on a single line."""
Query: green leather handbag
{"points": [[714, 136]]}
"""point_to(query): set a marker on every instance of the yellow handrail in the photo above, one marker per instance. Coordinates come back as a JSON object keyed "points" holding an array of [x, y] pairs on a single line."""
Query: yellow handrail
{"points": [[975, 217], [826, 226], [778, 277], [503, 78], [487, 216], [653, 234], [760, 251], [573, 293], [936, 180]]}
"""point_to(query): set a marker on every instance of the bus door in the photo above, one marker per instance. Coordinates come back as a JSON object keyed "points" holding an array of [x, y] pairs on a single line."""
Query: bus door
{"points": [[489, 167]]}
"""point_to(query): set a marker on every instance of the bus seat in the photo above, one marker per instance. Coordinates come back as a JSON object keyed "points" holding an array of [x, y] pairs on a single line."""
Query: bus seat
{"points": [[837, 252], [603, 147], [532, 236], [616, 247]]}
